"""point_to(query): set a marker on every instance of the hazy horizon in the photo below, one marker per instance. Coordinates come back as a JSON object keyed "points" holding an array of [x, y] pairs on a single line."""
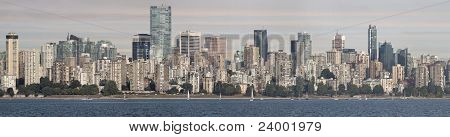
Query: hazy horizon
{"points": [[426, 31]]}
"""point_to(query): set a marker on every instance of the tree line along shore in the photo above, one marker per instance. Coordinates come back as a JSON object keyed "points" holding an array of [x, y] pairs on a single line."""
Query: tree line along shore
{"points": [[303, 89]]}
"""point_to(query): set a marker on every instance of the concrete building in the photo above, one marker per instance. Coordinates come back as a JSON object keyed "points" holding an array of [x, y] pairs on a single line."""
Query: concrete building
{"points": [[208, 83], [437, 76], [30, 67], [217, 45], [48, 56], [334, 57], [375, 70], [188, 43], [398, 74], [137, 75], [251, 57], [421, 76], [12, 55], [338, 42]]}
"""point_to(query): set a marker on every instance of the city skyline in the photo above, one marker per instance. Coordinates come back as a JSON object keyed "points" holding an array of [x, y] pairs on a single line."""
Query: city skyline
{"points": [[426, 27]]}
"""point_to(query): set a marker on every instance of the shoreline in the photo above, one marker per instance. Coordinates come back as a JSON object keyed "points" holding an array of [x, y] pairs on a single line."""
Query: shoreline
{"points": [[210, 97]]}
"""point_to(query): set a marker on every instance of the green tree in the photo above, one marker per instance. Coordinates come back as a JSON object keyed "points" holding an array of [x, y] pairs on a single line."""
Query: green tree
{"points": [[378, 90], [341, 89], [353, 89], [10, 92], [44, 82], [310, 88], [47, 91], [423, 92], [151, 86], [365, 89], [327, 74], [439, 92], [299, 88], [447, 90], [322, 90], [22, 90], [172, 90], [110, 88], [249, 90], [89, 90], [187, 87], [173, 82], [2, 93], [75, 84]]}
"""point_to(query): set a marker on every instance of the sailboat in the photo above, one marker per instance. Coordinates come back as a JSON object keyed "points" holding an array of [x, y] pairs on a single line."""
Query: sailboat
{"points": [[220, 96], [251, 99], [124, 98], [188, 96]]}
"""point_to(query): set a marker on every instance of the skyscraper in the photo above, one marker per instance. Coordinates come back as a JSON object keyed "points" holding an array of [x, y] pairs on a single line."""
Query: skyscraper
{"points": [[141, 47], [216, 45], [188, 43], [12, 54], [48, 56], [402, 59], [261, 41], [301, 50], [305, 42], [338, 42], [372, 46], [161, 30], [387, 56]]}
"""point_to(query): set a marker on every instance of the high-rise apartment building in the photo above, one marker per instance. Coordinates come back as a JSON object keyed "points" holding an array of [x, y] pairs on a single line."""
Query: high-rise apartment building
{"points": [[398, 74], [12, 54], [373, 43], [48, 56], [421, 76], [30, 67]]}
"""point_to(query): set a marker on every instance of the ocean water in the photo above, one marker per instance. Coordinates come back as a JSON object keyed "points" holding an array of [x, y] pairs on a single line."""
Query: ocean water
{"points": [[224, 108]]}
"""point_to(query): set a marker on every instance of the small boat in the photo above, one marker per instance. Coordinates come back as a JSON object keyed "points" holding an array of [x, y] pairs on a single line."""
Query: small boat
{"points": [[86, 99], [124, 98], [188, 96], [220, 96], [251, 98]]}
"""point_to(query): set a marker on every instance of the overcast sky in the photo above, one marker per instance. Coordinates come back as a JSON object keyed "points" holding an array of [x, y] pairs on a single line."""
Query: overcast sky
{"points": [[426, 31]]}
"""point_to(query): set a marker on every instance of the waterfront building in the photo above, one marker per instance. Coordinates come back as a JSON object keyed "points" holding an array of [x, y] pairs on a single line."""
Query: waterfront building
{"points": [[29, 67], [12, 55], [437, 77]]}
